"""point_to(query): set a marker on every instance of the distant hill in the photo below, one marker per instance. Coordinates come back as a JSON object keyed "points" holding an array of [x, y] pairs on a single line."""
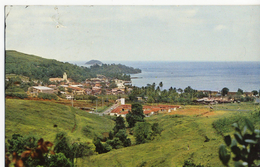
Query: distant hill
{"points": [[92, 62], [40, 68]]}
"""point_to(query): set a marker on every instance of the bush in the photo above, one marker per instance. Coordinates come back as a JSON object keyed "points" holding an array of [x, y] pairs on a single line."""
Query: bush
{"points": [[20, 95], [59, 159], [245, 146], [188, 163], [47, 96]]}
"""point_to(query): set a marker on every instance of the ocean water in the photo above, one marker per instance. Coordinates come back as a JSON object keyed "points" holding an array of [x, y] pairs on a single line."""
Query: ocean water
{"points": [[199, 75]]}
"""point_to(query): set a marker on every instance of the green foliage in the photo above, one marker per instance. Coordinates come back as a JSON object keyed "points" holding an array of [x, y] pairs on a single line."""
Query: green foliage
{"points": [[165, 96], [142, 132], [16, 144], [47, 96], [79, 149], [240, 91], [59, 159], [255, 92], [92, 98], [20, 95], [61, 143], [118, 138], [100, 148], [245, 146], [224, 91], [122, 136], [157, 130], [135, 115], [120, 124]]}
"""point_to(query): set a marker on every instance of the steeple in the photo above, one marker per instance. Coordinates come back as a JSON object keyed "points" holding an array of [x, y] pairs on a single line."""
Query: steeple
{"points": [[65, 76]]}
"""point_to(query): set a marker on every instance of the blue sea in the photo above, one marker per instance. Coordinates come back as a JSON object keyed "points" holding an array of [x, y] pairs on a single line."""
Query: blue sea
{"points": [[199, 75]]}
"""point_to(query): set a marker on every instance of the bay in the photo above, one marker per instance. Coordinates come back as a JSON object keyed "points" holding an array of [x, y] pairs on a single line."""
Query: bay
{"points": [[199, 75]]}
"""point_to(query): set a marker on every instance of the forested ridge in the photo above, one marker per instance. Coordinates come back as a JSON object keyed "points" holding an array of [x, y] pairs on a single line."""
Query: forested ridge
{"points": [[40, 68]]}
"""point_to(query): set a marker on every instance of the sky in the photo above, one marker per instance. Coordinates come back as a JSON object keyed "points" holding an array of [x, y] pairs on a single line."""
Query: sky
{"points": [[135, 32]]}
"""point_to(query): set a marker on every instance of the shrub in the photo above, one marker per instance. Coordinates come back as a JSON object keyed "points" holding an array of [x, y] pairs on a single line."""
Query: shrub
{"points": [[47, 96], [59, 159], [188, 163], [245, 146], [20, 95]]}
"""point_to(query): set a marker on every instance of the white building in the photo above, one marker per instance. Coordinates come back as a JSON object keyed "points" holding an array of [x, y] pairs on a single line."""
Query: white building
{"points": [[120, 83], [40, 89]]}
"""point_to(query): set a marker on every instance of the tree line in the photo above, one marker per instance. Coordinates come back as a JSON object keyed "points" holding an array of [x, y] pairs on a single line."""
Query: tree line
{"points": [[153, 93]]}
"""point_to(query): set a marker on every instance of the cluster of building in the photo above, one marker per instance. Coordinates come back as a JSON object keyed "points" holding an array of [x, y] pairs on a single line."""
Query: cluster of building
{"points": [[216, 97], [123, 109], [92, 86]]}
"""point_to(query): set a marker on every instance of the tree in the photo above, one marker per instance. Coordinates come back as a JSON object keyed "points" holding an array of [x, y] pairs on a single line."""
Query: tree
{"points": [[142, 132], [92, 98], [180, 90], [240, 91], [62, 145], [161, 85], [254, 92], [120, 124], [135, 115], [224, 91], [59, 159]]}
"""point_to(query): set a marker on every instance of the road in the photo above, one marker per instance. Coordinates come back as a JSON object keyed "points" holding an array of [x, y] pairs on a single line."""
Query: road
{"points": [[107, 111]]}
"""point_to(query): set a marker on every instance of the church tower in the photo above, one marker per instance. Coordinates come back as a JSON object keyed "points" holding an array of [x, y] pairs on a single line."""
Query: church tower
{"points": [[65, 76]]}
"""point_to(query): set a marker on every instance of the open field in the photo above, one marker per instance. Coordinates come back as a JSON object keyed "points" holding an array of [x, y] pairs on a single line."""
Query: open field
{"points": [[183, 138], [39, 117]]}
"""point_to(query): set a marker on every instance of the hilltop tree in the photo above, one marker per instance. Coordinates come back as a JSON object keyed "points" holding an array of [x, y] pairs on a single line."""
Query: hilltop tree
{"points": [[161, 85], [254, 92], [240, 91], [180, 90], [224, 91], [135, 115]]}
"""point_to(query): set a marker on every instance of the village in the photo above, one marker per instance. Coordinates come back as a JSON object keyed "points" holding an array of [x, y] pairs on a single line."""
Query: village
{"points": [[67, 89], [93, 86]]}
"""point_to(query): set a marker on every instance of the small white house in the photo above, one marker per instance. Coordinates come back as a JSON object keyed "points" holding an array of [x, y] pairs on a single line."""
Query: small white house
{"points": [[68, 97]]}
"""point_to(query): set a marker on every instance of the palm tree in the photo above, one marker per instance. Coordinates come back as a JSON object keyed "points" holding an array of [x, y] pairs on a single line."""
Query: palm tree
{"points": [[161, 84]]}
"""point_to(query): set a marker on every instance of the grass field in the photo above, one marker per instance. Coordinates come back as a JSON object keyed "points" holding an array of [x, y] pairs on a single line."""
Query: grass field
{"points": [[39, 117], [188, 133], [183, 138]]}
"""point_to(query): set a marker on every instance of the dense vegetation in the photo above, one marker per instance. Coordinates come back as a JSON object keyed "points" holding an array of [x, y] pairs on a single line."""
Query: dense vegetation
{"points": [[42, 69]]}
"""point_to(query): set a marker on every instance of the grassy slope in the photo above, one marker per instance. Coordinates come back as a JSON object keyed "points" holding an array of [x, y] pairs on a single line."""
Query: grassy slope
{"points": [[38, 118], [171, 148]]}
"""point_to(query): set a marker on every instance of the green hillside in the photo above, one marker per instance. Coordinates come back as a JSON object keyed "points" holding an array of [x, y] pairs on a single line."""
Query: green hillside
{"points": [[183, 138], [40, 68], [40, 118]]}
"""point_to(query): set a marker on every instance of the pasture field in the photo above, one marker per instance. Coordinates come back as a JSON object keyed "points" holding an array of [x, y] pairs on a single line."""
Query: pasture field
{"points": [[45, 119]]}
